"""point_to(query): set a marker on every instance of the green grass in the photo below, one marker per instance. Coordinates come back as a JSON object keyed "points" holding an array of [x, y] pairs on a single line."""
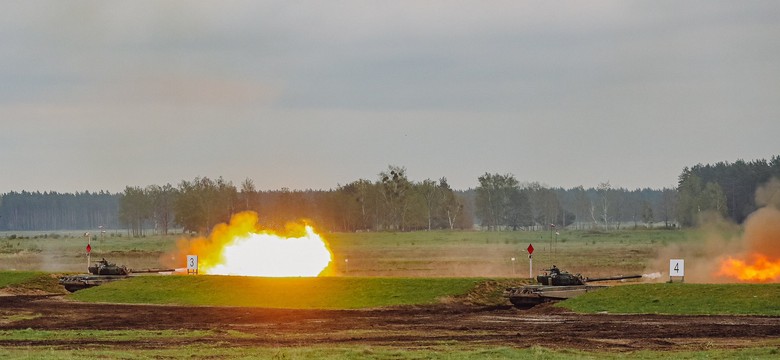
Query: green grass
{"points": [[409, 254], [294, 293], [29, 280], [444, 351], [681, 299], [385, 269], [488, 254], [9, 278]]}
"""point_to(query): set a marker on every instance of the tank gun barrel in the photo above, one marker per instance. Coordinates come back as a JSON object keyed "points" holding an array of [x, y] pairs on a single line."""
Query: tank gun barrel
{"points": [[613, 278], [150, 271]]}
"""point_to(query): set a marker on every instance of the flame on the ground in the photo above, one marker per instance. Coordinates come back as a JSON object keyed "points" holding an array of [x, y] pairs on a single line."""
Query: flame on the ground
{"points": [[761, 269], [240, 248], [759, 258]]}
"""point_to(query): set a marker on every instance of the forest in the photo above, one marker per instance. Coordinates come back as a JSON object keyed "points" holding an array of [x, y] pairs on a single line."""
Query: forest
{"points": [[393, 202]]}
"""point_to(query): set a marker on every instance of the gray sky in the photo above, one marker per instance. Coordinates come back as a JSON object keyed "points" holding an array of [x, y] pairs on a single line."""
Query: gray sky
{"points": [[97, 95]]}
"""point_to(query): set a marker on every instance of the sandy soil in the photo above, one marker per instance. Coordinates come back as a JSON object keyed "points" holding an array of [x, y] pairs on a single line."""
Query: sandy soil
{"points": [[406, 327]]}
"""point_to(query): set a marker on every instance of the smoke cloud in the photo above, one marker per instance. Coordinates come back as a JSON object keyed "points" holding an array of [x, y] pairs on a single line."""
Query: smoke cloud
{"points": [[769, 194], [209, 248], [727, 252]]}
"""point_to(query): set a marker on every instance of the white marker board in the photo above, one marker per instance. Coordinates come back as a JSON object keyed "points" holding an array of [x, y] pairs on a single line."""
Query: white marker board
{"points": [[192, 264], [676, 267]]}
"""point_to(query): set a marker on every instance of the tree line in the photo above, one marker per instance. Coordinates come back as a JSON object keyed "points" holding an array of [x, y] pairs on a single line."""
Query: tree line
{"points": [[727, 189], [393, 202], [29, 211], [503, 203]]}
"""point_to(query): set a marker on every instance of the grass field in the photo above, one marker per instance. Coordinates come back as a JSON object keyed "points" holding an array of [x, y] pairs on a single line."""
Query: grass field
{"points": [[368, 292], [489, 254], [30, 281], [415, 254], [385, 269], [352, 293], [444, 351], [681, 299], [9, 278], [294, 293]]}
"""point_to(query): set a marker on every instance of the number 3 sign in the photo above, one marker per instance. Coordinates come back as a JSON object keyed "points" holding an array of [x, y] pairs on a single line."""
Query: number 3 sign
{"points": [[192, 264]]}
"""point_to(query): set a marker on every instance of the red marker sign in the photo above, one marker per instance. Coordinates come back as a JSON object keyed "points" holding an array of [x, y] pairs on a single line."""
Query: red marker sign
{"points": [[530, 249], [89, 249]]}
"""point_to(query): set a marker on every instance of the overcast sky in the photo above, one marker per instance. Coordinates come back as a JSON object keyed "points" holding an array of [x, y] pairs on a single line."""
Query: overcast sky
{"points": [[99, 95]]}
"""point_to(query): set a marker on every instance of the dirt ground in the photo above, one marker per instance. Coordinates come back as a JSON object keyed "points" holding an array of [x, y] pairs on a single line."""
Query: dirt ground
{"points": [[406, 327]]}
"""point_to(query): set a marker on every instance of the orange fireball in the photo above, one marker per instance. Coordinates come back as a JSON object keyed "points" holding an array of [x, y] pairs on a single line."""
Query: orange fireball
{"points": [[271, 255], [762, 269], [241, 248]]}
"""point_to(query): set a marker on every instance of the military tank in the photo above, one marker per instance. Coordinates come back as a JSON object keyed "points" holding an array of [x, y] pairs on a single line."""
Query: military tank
{"points": [[556, 285], [101, 272]]}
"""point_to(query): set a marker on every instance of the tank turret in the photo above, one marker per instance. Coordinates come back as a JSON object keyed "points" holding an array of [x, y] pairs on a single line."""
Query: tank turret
{"points": [[555, 277], [103, 267]]}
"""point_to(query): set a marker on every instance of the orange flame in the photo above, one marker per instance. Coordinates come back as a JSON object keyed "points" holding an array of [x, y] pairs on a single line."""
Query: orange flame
{"points": [[759, 261], [761, 270], [240, 248]]}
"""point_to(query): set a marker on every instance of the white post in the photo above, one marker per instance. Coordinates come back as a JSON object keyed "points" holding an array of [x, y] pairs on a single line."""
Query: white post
{"points": [[530, 266], [513, 266]]}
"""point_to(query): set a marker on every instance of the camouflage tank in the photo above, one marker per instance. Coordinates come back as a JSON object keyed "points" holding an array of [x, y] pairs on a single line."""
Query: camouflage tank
{"points": [[101, 272], [556, 285]]}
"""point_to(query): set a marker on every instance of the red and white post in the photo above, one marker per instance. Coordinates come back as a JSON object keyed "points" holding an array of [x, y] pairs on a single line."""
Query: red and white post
{"points": [[89, 250]]}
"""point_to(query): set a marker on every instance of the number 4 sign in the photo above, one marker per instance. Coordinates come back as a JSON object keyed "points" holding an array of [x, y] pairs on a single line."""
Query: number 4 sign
{"points": [[676, 268]]}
